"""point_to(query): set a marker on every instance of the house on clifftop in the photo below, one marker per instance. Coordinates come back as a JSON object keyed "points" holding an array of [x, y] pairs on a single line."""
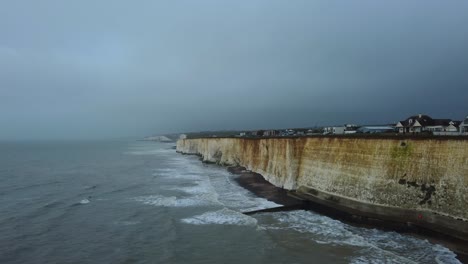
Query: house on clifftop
{"points": [[414, 124], [464, 126], [424, 123]]}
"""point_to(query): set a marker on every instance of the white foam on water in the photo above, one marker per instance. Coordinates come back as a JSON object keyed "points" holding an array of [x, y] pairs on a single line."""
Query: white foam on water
{"points": [[172, 201], [149, 149], [84, 201], [184, 170], [177, 175], [375, 246], [211, 185], [236, 197], [148, 152], [224, 216], [199, 187], [444, 255]]}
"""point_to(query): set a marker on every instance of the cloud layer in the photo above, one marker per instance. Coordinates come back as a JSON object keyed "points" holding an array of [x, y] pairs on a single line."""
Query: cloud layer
{"points": [[94, 69]]}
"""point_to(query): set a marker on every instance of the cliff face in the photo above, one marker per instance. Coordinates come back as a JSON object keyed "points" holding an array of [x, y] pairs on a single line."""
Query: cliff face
{"points": [[423, 174]]}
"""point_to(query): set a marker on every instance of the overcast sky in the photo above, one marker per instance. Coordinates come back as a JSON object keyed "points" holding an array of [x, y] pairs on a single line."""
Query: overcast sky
{"points": [[112, 68]]}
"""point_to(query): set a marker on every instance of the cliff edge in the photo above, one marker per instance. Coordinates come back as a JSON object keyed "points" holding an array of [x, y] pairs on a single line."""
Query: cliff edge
{"points": [[420, 181]]}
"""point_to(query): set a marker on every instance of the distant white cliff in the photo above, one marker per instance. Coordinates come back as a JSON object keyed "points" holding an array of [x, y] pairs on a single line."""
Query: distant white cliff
{"points": [[158, 139]]}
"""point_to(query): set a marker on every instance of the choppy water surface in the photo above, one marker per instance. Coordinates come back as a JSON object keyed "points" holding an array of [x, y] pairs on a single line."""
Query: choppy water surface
{"points": [[140, 202]]}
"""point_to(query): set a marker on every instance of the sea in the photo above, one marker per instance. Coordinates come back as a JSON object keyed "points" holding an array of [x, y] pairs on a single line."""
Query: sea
{"points": [[128, 201]]}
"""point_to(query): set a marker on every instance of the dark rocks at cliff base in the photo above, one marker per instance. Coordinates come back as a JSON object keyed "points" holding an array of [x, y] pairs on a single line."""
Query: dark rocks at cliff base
{"points": [[255, 183]]}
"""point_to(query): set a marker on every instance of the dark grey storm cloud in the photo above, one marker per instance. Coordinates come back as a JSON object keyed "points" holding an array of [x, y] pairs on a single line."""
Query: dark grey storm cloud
{"points": [[83, 69]]}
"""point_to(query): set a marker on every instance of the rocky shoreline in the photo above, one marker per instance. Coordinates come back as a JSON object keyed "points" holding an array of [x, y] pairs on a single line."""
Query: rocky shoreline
{"points": [[413, 182], [256, 184], [409, 186]]}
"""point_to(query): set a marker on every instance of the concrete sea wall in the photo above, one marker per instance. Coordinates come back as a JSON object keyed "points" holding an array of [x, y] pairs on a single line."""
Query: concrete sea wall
{"points": [[421, 181]]}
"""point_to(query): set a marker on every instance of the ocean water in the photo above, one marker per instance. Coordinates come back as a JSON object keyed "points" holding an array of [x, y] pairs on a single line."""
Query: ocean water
{"points": [[140, 202]]}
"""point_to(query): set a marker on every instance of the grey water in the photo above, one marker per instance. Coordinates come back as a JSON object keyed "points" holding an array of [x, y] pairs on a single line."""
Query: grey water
{"points": [[141, 202]]}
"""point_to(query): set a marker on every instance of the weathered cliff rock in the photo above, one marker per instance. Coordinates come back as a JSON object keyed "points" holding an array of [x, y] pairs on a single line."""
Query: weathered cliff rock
{"points": [[426, 175]]}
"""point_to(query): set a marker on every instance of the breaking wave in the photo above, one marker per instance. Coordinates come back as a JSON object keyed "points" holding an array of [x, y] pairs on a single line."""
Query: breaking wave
{"points": [[192, 184], [173, 201], [374, 246], [224, 216]]}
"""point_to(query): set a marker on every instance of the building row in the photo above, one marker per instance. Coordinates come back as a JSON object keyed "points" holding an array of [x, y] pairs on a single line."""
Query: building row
{"points": [[425, 124], [280, 132], [417, 124]]}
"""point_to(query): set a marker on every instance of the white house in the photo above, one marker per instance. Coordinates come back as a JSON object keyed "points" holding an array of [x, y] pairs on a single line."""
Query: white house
{"points": [[464, 126], [414, 124], [420, 123], [450, 126]]}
